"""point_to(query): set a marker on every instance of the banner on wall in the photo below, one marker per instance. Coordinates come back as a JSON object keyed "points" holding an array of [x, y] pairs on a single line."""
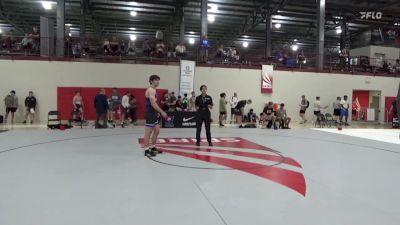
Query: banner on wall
{"points": [[267, 72], [186, 78]]}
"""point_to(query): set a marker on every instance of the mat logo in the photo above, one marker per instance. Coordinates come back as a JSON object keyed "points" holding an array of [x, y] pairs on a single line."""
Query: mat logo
{"points": [[242, 155], [371, 15]]}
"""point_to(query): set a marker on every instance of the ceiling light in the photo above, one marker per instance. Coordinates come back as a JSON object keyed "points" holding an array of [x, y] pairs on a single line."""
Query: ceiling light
{"points": [[245, 36], [338, 30], [295, 40], [191, 32], [132, 28], [211, 18], [70, 34], [213, 7], [68, 25], [278, 25], [295, 47], [47, 5], [133, 37], [133, 13], [1, 31], [245, 44], [191, 41]]}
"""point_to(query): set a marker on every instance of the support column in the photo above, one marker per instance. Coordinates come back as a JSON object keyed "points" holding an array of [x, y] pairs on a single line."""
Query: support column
{"points": [[343, 35], [82, 33], [46, 36], [60, 28], [268, 35], [320, 34], [204, 20], [182, 31]]}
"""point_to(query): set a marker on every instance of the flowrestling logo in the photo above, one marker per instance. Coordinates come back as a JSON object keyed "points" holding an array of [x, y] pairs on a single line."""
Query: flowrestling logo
{"points": [[371, 15], [242, 155]]}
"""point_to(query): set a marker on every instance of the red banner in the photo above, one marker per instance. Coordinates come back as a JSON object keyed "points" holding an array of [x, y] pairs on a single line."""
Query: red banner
{"points": [[266, 79]]}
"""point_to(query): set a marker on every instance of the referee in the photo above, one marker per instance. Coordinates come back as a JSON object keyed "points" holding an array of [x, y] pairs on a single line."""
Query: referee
{"points": [[203, 104]]}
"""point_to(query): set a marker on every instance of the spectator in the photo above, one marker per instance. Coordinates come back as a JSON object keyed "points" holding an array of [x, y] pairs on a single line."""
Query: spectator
{"points": [[304, 104], [344, 112], [185, 102], [11, 103], [179, 105], [146, 48], [180, 50], [26, 43], [282, 117], [385, 67], [132, 110], [171, 50], [281, 57], [239, 111], [160, 49], [390, 68], [252, 116], [204, 49], [125, 108], [317, 108], [343, 58], [192, 102], [164, 102], [30, 104], [114, 46], [115, 104], [397, 66], [131, 48], [220, 53], [301, 57], [336, 109], [123, 48], [172, 102], [106, 46], [233, 102], [222, 109], [268, 116], [101, 106], [35, 35]]}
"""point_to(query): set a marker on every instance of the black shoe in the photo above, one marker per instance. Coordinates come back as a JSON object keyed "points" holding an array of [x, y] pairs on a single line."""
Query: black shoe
{"points": [[24, 122], [210, 144], [150, 153], [197, 143], [241, 126], [156, 150], [114, 125], [122, 125], [31, 122]]}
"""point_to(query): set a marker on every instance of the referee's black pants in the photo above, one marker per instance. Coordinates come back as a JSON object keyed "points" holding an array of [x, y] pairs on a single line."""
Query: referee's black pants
{"points": [[206, 118]]}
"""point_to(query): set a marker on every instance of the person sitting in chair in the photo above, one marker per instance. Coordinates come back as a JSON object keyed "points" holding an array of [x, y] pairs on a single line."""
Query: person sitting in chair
{"points": [[268, 115], [282, 117]]}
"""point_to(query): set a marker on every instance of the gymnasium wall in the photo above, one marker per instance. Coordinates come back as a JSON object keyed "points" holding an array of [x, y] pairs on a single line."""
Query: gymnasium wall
{"points": [[45, 77]]}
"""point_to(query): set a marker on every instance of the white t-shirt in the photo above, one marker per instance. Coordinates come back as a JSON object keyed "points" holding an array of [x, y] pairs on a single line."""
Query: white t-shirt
{"points": [[125, 101], [234, 101], [317, 106], [344, 104]]}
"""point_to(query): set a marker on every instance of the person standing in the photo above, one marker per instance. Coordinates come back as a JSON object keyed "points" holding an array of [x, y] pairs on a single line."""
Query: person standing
{"points": [[185, 102], [11, 103], [337, 109], [203, 104], [125, 108], [233, 102], [344, 111], [132, 110], [101, 106], [77, 102], [115, 104], [192, 100], [152, 116], [222, 109], [30, 104], [304, 104]]}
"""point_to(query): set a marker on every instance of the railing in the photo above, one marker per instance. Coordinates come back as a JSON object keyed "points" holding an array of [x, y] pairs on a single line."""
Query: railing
{"points": [[15, 48]]}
